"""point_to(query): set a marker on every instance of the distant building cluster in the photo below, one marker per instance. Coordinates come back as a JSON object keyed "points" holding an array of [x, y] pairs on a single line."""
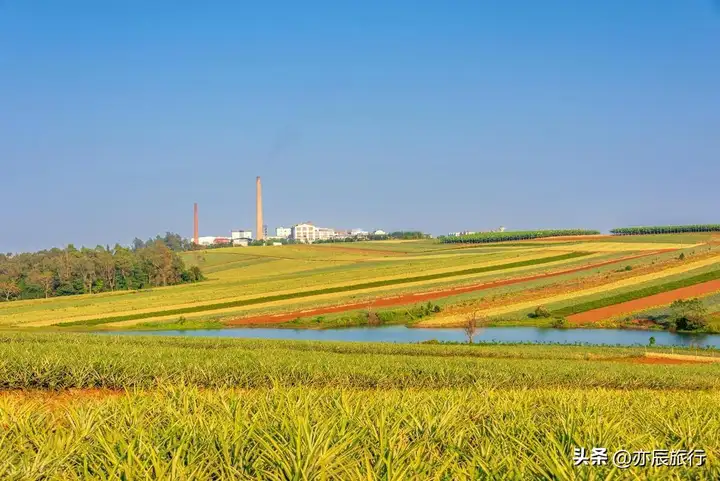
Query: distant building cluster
{"points": [[468, 232], [305, 232], [308, 233]]}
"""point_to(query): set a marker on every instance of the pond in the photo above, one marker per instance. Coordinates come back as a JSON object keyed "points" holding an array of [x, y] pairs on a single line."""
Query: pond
{"points": [[492, 334]]}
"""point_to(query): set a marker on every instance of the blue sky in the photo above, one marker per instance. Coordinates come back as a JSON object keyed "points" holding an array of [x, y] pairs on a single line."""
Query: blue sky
{"points": [[116, 116]]}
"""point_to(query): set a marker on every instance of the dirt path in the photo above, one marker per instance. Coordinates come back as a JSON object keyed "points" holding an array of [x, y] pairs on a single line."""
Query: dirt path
{"points": [[661, 299], [422, 296]]}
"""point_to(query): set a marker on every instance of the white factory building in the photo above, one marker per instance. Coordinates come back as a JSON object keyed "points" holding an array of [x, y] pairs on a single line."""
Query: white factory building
{"points": [[307, 233], [211, 240], [283, 232], [241, 237]]}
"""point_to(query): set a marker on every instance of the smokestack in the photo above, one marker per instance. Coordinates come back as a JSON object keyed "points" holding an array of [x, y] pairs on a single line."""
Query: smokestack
{"points": [[258, 210], [196, 232]]}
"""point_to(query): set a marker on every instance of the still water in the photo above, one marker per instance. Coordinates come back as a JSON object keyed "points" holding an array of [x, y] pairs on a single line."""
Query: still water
{"points": [[491, 334]]}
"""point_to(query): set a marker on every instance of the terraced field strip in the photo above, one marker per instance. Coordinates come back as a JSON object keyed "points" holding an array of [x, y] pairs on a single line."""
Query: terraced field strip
{"points": [[367, 295], [594, 290], [420, 297], [641, 302], [619, 246], [224, 294], [348, 288]]}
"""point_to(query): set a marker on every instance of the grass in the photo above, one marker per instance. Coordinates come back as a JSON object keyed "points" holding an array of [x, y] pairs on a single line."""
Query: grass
{"points": [[330, 290], [222, 409]]}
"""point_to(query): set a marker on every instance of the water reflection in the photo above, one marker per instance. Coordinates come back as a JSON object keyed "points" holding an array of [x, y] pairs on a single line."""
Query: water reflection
{"points": [[403, 334]]}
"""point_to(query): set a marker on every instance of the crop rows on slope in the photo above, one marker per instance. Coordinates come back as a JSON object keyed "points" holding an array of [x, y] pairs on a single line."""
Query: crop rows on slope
{"points": [[666, 229], [482, 237], [637, 294], [329, 290]]}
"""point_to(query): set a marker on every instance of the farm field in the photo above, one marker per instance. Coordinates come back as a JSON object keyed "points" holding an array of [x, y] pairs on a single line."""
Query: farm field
{"points": [[89, 406], [502, 281]]}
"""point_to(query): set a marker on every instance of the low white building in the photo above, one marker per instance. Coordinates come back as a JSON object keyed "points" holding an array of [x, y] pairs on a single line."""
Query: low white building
{"points": [[379, 232], [358, 232], [325, 233], [283, 232], [206, 240], [305, 232], [309, 233], [241, 234]]}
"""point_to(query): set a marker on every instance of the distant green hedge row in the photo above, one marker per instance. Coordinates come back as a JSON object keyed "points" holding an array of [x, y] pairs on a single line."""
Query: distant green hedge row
{"points": [[329, 290], [637, 294], [482, 237], [666, 229]]}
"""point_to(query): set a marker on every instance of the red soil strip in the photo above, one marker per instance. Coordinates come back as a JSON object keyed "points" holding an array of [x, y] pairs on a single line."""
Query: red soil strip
{"points": [[661, 299], [422, 296]]}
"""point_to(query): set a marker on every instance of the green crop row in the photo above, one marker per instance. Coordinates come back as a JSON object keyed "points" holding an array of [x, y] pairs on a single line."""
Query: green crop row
{"points": [[482, 237], [666, 229], [637, 294], [329, 290]]}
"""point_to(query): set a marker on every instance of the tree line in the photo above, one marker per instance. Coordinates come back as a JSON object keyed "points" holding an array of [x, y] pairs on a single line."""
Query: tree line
{"points": [[666, 229], [71, 271], [482, 237]]}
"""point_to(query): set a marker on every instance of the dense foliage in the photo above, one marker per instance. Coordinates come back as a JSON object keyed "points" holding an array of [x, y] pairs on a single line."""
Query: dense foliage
{"points": [[689, 314], [482, 237], [666, 229], [174, 242], [69, 271]]}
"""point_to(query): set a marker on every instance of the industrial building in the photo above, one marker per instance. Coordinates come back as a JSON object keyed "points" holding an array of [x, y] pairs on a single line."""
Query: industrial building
{"points": [[305, 232], [241, 237], [283, 232], [212, 240], [308, 233]]}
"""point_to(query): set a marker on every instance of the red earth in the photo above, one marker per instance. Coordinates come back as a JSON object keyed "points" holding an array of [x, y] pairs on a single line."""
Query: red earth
{"points": [[421, 296], [661, 299]]}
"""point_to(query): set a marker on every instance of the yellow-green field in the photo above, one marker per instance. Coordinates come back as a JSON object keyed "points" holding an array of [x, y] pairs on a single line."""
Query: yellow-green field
{"points": [[252, 282]]}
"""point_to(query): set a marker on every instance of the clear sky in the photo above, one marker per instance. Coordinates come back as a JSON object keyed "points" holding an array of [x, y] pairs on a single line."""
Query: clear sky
{"points": [[115, 116]]}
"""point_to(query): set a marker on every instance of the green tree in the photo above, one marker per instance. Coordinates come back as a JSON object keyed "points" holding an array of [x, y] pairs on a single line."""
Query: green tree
{"points": [[689, 314]]}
